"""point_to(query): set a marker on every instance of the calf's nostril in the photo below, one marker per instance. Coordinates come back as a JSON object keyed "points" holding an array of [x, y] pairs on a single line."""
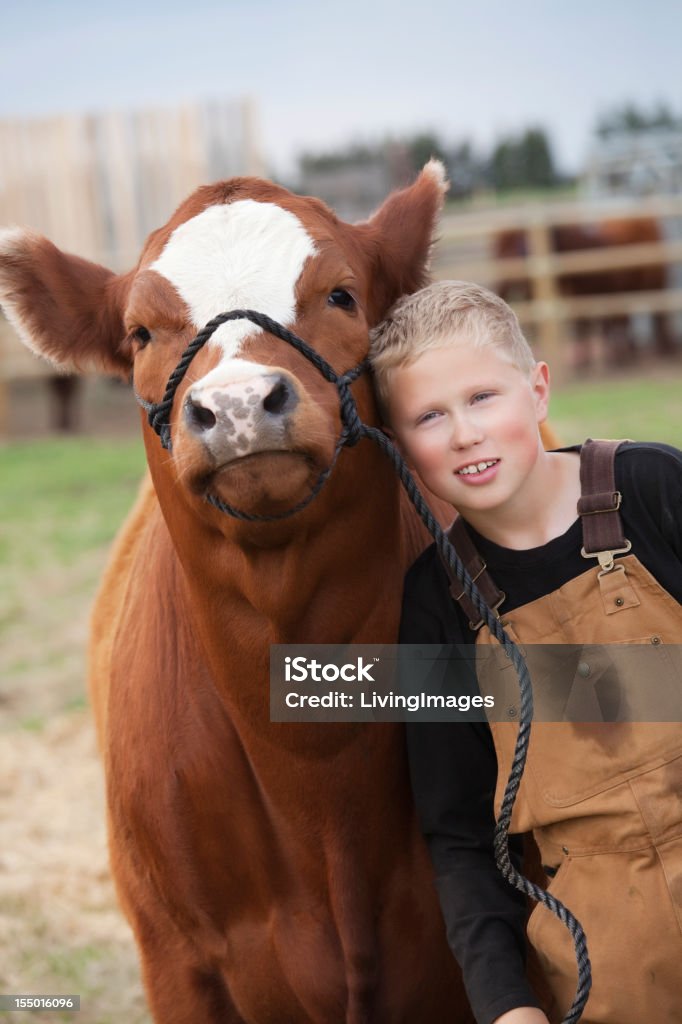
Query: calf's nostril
{"points": [[198, 416], [277, 399]]}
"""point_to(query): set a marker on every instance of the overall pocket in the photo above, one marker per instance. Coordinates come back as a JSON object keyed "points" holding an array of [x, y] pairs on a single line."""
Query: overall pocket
{"points": [[633, 938], [638, 685]]}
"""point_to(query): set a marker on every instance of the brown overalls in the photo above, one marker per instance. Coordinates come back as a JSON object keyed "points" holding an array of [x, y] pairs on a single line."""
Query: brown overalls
{"points": [[603, 800]]}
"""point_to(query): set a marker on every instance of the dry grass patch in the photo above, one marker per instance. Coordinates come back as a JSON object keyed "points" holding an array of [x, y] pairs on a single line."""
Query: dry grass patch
{"points": [[62, 930]]}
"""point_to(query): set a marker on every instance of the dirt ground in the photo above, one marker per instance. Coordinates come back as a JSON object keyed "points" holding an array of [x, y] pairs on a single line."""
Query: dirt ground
{"points": [[60, 928]]}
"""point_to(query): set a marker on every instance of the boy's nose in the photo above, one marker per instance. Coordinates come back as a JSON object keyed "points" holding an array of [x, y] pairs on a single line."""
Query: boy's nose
{"points": [[465, 432]]}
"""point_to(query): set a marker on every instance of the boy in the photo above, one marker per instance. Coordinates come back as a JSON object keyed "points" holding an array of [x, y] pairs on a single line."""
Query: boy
{"points": [[463, 398]]}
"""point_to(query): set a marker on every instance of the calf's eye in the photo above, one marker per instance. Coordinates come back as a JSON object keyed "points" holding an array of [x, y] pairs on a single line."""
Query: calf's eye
{"points": [[143, 336], [341, 299]]}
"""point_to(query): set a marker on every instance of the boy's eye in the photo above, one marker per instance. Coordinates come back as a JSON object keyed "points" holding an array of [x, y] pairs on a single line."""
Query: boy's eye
{"points": [[481, 396], [426, 417]]}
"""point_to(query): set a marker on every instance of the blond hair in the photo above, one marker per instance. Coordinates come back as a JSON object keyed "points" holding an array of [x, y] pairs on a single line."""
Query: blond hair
{"points": [[442, 314]]}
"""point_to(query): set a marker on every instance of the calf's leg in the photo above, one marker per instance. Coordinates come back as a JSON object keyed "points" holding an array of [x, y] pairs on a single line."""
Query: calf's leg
{"points": [[181, 990]]}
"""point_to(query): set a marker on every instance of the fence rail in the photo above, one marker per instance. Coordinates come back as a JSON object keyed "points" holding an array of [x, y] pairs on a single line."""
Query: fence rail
{"points": [[478, 222], [112, 196], [617, 257], [466, 251]]}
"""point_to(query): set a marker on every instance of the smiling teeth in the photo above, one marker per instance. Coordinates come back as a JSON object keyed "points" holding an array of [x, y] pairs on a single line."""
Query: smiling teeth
{"points": [[477, 467]]}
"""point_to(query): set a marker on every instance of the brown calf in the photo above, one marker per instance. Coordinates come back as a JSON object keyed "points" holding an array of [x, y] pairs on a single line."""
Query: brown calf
{"points": [[272, 874]]}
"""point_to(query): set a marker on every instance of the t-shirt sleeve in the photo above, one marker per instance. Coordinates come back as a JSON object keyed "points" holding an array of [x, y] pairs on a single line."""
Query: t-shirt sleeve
{"points": [[655, 471], [453, 770]]}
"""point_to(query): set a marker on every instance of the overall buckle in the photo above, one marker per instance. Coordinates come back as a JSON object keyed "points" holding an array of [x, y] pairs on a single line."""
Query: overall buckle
{"points": [[606, 559]]}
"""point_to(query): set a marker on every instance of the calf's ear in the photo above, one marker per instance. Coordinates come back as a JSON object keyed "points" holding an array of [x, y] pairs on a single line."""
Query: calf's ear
{"points": [[400, 236], [66, 309]]}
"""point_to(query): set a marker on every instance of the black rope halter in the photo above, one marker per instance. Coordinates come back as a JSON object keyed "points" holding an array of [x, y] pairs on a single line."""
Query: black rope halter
{"points": [[352, 427], [352, 431]]}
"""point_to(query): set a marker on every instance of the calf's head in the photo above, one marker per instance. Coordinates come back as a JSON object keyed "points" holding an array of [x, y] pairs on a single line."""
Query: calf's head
{"points": [[253, 422]]}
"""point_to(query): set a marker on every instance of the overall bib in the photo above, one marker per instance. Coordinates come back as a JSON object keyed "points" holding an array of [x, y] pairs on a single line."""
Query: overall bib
{"points": [[603, 799]]}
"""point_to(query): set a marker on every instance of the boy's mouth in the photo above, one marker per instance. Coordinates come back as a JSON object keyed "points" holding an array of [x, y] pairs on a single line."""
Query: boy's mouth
{"points": [[474, 468]]}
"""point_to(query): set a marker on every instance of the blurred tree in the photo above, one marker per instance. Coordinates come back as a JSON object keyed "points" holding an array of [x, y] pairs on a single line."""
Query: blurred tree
{"points": [[466, 171], [422, 147], [504, 169], [519, 161], [523, 161], [538, 158], [350, 156], [631, 119]]}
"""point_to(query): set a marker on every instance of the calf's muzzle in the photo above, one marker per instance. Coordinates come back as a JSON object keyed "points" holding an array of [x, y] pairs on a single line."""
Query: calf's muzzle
{"points": [[242, 417]]}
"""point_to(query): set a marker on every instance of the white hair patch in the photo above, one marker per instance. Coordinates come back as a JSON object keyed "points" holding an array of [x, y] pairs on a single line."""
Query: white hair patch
{"points": [[241, 255]]}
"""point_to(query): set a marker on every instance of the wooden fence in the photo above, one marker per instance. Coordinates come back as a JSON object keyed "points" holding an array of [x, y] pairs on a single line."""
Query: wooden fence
{"points": [[466, 251], [98, 184]]}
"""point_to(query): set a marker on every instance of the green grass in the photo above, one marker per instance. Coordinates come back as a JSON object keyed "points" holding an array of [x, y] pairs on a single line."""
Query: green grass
{"points": [[64, 497], [62, 501], [95, 972], [34, 724], [70, 966], [61, 497], [645, 409]]}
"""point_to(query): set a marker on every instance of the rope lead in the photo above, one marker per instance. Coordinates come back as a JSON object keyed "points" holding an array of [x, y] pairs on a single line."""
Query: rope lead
{"points": [[353, 430]]}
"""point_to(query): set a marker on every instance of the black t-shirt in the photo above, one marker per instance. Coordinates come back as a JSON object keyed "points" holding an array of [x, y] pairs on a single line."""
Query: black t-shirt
{"points": [[453, 765]]}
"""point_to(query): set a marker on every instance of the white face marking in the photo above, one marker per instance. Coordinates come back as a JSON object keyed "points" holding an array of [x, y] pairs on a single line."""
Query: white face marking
{"points": [[241, 255]]}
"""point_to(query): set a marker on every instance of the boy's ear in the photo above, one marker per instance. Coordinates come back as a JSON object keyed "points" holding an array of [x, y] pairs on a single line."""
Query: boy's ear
{"points": [[541, 389], [66, 309]]}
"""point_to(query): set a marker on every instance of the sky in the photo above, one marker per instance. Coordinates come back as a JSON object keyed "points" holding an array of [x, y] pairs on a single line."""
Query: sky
{"points": [[324, 74]]}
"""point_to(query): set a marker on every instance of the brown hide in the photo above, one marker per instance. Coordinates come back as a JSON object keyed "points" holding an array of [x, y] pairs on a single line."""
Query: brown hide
{"points": [[572, 238], [271, 873]]}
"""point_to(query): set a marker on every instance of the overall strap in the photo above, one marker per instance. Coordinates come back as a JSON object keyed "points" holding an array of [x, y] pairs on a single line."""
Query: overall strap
{"points": [[603, 534], [476, 567]]}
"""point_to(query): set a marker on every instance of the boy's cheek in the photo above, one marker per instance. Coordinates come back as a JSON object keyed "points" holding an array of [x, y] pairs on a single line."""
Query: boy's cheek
{"points": [[426, 462], [522, 440]]}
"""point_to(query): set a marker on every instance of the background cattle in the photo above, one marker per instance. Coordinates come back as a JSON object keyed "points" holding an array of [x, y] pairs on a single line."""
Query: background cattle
{"points": [[622, 337]]}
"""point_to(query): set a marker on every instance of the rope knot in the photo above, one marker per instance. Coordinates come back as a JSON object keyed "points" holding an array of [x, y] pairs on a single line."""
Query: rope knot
{"points": [[353, 427]]}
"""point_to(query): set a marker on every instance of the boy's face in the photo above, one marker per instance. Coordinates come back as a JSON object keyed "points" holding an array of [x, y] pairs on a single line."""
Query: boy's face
{"points": [[467, 420]]}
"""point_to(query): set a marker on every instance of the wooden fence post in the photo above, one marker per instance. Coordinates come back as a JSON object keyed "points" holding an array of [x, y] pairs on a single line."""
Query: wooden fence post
{"points": [[545, 293]]}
